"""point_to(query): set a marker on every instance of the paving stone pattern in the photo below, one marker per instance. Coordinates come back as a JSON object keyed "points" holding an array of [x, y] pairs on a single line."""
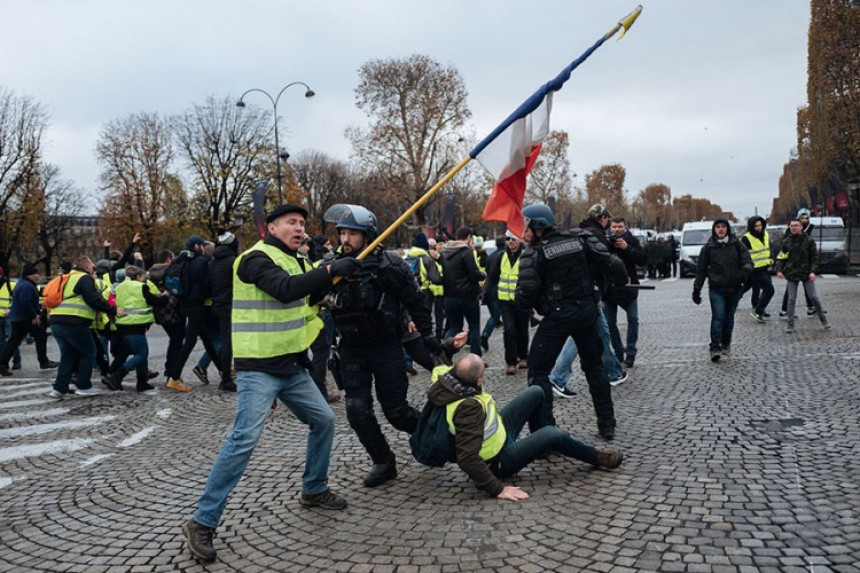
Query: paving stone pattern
{"points": [[745, 465]]}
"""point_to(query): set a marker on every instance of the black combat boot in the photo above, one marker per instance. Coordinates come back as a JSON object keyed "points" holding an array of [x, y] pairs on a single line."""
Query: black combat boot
{"points": [[606, 428], [381, 473]]}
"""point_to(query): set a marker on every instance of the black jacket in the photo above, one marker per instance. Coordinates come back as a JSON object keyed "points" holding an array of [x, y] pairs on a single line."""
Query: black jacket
{"points": [[258, 269], [221, 275], [460, 273], [632, 256], [198, 269], [25, 301], [725, 264]]}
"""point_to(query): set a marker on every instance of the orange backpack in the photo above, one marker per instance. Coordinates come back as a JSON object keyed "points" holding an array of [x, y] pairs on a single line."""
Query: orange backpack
{"points": [[52, 294]]}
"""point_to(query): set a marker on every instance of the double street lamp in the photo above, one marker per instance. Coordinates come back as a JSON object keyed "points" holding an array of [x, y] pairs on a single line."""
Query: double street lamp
{"points": [[279, 155]]}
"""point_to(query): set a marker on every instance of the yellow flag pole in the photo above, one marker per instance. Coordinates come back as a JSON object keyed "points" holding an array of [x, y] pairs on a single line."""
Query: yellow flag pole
{"points": [[415, 206]]}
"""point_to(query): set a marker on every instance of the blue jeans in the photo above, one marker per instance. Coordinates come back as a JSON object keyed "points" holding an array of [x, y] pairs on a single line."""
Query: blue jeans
{"points": [[206, 360], [560, 374], [5, 332], [76, 345], [631, 307], [255, 394], [517, 454], [138, 361], [723, 306], [458, 309], [494, 306]]}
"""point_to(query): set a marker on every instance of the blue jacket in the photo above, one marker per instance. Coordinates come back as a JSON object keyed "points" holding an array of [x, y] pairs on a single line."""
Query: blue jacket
{"points": [[25, 301]]}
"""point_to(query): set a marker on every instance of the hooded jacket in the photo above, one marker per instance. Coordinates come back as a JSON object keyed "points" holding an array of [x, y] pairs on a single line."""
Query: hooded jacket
{"points": [[726, 264], [221, 274], [460, 273], [469, 438]]}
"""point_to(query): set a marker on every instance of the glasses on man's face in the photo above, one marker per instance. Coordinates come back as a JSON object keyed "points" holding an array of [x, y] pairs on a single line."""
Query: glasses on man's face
{"points": [[511, 239]]}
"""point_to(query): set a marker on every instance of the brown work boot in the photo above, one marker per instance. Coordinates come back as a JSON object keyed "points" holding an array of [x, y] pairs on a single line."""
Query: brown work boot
{"points": [[510, 369], [610, 459], [199, 540], [178, 385], [522, 364]]}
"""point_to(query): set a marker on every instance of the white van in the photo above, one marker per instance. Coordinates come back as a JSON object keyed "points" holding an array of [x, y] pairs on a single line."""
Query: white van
{"points": [[829, 235], [694, 235]]}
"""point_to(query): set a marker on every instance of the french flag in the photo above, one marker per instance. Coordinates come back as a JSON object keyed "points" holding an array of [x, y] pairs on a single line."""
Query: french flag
{"points": [[509, 153]]}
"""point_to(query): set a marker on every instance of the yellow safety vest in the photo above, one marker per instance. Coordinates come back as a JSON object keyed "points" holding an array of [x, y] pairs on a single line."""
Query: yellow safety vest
{"points": [[74, 304], [264, 327], [436, 290], [102, 320], [508, 277], [494, 430], [129, 296], [420, 254], [6, 297], [759, 251]]}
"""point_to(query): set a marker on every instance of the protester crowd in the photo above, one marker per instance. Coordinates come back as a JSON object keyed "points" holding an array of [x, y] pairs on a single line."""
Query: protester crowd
{"points": [[368, 316]]}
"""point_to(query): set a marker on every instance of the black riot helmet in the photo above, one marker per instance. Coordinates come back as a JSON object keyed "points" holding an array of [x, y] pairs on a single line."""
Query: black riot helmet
{"points": [[360, 219], [538, 216]]}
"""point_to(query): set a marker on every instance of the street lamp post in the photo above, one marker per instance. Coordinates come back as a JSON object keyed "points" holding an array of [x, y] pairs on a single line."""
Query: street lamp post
{"points": [[278, 155]]}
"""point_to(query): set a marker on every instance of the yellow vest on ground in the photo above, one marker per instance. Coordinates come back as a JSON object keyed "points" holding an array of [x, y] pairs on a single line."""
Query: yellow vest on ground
{"points": [[129, 297], [759, 251], [494, 430], [73, 304], [264, 327], [6, 297], [508, 277]]}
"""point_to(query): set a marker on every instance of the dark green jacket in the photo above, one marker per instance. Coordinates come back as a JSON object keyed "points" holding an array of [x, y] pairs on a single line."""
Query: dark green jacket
{"points": [[798, 257]]}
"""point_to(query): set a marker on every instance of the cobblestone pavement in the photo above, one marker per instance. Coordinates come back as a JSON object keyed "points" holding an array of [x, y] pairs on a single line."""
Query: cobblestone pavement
{"points": [[750, 464]]}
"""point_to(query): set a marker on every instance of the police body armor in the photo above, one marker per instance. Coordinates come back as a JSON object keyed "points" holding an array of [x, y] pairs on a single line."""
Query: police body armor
{"points": [[363, 312], [567, 277]]}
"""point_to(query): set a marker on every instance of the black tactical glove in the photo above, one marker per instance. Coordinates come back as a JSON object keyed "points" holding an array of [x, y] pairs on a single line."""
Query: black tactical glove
{"points": [[345, 267], [697, 296], [433, 345]]}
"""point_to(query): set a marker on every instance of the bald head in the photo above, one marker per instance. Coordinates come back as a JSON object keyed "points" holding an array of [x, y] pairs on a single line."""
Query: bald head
{"points": [[469, 369]]}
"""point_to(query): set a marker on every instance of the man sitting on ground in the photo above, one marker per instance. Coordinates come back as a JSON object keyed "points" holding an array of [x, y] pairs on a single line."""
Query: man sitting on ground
{"points": [[485, 439]]}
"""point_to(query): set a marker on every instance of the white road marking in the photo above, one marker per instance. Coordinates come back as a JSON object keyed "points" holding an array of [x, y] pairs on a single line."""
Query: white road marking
{"points": [[22, 403], [94, 460], [136, 437], [22, 386], [27, 451], [164, 414], [37, 429], [33, 414], [36, 389]]}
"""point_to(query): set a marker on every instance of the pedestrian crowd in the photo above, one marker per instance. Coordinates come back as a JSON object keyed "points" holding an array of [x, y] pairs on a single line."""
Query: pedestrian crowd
{"points": [[368, 315]]}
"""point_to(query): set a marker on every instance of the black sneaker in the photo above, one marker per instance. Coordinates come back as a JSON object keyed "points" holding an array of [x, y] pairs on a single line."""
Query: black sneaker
{"points": [[766, 315], [810, 311], [4, 371], [783, 314], [199, 540], [629, 360], [715, 354], [201, 375], [152, 374], [410, 369], [325, 499], [618, 380], [16, 366], [726, 350], [227, 385], [562, 391], [606, 428], [381, 473], [757, 316], [789, 329]]}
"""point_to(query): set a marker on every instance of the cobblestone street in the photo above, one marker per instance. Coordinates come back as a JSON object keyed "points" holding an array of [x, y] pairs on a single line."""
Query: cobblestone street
{"points": [[749, 464]]}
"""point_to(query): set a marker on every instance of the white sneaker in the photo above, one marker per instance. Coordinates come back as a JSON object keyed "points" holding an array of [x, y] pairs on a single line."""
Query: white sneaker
{"points": [[59, 395], [562, 391], [86, 392]]}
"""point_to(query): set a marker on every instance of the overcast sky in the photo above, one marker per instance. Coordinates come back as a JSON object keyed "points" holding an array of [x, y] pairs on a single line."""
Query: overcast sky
{"points": [[700, 96]]}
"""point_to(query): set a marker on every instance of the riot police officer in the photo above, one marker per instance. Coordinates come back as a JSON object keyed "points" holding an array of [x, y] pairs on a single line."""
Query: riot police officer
{"points": [[557, 277], [368, 314]]}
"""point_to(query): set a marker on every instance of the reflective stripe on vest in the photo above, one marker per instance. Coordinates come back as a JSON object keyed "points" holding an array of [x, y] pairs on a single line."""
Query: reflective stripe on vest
{"points": [[494, 430], [759, 251], [264, 327], [73, 304], [508, 277], [129, 296], [102, 320], [6, 296]]}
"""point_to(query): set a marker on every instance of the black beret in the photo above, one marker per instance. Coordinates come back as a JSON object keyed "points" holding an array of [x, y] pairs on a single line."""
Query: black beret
{"points": [[284, 209]]}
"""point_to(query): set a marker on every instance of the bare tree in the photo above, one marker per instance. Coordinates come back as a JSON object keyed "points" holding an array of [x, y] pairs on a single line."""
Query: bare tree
{"points": [[227, 149], [22, 124], [416, 107], [136, 156], [550, 175], [325, 180], [64, 205]]}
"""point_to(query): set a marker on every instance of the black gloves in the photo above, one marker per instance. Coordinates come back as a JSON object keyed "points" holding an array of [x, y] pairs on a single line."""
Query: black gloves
{"points": [[433, 345], [345, 267], [697, 296]]}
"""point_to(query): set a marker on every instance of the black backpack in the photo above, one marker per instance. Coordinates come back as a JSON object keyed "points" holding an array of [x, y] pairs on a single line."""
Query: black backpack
{"points": [[177, 276], [432, 442]]}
